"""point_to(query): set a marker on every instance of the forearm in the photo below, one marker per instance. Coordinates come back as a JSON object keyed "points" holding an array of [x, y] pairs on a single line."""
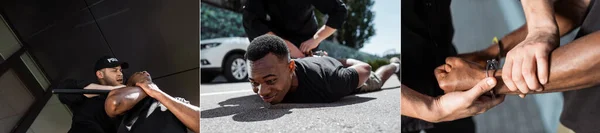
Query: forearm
{"points": [[569, 15], [123, 99], [573, 66], [324, 32], [417, 105], [99, 87], [188, 114], [539, 15]]}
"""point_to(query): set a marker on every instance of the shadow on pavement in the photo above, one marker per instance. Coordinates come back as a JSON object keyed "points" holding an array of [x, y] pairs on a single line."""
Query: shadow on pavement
{"points": [[221, 82], [251, 108], [393, 87]]}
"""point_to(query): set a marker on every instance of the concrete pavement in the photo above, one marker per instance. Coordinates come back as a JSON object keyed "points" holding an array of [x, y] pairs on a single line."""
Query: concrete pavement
{"points": [[233, 107]]}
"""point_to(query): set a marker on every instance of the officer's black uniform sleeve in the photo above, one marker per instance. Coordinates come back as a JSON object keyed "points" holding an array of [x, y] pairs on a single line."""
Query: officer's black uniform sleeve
{"points": [[336, 9], [254, 19], [72, 99]]}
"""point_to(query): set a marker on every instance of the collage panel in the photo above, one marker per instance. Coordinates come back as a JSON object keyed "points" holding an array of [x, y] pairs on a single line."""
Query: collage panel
{"points": [[300, 66]]}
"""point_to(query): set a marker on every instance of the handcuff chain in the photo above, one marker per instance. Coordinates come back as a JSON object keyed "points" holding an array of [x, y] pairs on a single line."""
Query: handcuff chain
{"points": [[491, 65]]}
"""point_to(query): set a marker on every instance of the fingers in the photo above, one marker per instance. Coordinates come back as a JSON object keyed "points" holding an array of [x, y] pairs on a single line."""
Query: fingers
{"points": [[529, 70], [517, 76], [452, 61], [303, 48], [139, 84], [482, 87], [507, 74], [440, 72], [522, 95], [543, 69]]}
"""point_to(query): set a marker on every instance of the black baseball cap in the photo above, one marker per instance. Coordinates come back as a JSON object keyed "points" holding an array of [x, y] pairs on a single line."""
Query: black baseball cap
{"points": [[109, 62]]}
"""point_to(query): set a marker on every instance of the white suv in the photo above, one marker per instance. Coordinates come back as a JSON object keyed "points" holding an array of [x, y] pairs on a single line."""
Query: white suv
{"points": [[223, 56]]}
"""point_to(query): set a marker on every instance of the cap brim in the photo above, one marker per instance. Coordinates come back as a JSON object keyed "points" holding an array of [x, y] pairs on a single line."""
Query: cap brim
{"points": [[124, 65]]}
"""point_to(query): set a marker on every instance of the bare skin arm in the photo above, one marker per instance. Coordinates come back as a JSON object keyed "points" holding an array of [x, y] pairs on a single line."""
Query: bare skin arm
{"points": [[569, 15], [448, 107], [99, 87], [573, 66], [363, 69], [527, 50], [188, 114], [322, 34], [123, 99]]}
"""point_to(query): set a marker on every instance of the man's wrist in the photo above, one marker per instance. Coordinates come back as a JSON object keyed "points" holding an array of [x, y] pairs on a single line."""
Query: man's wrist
{"points": [[318, 38]]}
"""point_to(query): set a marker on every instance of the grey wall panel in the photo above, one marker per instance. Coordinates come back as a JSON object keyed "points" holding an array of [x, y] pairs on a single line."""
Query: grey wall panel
{"points": [[59, 36], [184, 85], [159, 36]]}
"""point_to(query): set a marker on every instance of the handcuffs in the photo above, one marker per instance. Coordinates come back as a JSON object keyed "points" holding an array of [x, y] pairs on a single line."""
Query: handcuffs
{"points": [[316, 53], [491, 65], [494, 64]]}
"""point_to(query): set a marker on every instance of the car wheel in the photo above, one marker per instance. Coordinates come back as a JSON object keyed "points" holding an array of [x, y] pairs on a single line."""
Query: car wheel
{"points": [[235, 69]]}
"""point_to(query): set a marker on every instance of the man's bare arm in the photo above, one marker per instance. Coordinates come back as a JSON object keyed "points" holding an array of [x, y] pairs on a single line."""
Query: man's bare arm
{"points": [[123, 99], [99, 87], [450, 106], [363, 69], [417, 105], [569, 14], [188, 114], [573, 66]]}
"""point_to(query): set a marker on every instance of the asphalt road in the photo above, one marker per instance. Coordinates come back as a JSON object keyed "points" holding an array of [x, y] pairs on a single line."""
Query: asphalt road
{"points": [[233, 107]]}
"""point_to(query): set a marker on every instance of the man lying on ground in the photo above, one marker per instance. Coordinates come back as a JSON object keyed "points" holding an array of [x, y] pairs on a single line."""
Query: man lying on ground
{"points": [[276, 78]]}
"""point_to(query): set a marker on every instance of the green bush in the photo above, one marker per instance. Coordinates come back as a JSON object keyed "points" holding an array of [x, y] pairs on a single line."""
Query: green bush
{"points": [[340, 51], [217, 22], [375, 64]]}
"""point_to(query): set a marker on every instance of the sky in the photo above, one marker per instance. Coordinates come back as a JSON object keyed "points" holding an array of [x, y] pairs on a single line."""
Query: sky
{"points": [[387, 28]]}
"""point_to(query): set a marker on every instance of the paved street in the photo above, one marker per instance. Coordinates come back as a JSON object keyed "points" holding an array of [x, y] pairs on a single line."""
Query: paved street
{"points": [[233, 107]]}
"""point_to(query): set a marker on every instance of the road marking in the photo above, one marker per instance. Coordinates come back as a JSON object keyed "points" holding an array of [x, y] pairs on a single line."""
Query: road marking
{"points": [[226, 92]]}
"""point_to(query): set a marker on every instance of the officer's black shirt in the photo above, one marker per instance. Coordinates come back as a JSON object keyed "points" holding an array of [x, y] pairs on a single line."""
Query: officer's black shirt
{"points": [[89, 115], [293, 20], [427, 34]]}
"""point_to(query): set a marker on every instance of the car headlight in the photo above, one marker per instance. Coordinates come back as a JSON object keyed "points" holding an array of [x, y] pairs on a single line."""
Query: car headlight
{"points": [[209, 45]]}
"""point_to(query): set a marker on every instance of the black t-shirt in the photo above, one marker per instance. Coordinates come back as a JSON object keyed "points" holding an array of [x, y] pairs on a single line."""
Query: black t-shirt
{"points": [[581, 112], [427, 33], [89, 115], [150, 116], [292, 20], [322, 79]]}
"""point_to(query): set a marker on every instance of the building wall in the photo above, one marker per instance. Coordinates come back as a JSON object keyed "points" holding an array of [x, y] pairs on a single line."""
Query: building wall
{"points": [[63, 40], [67, 37]]}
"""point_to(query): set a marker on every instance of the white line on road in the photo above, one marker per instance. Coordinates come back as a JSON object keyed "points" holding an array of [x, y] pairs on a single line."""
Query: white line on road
{"points": [[226, 92]]}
